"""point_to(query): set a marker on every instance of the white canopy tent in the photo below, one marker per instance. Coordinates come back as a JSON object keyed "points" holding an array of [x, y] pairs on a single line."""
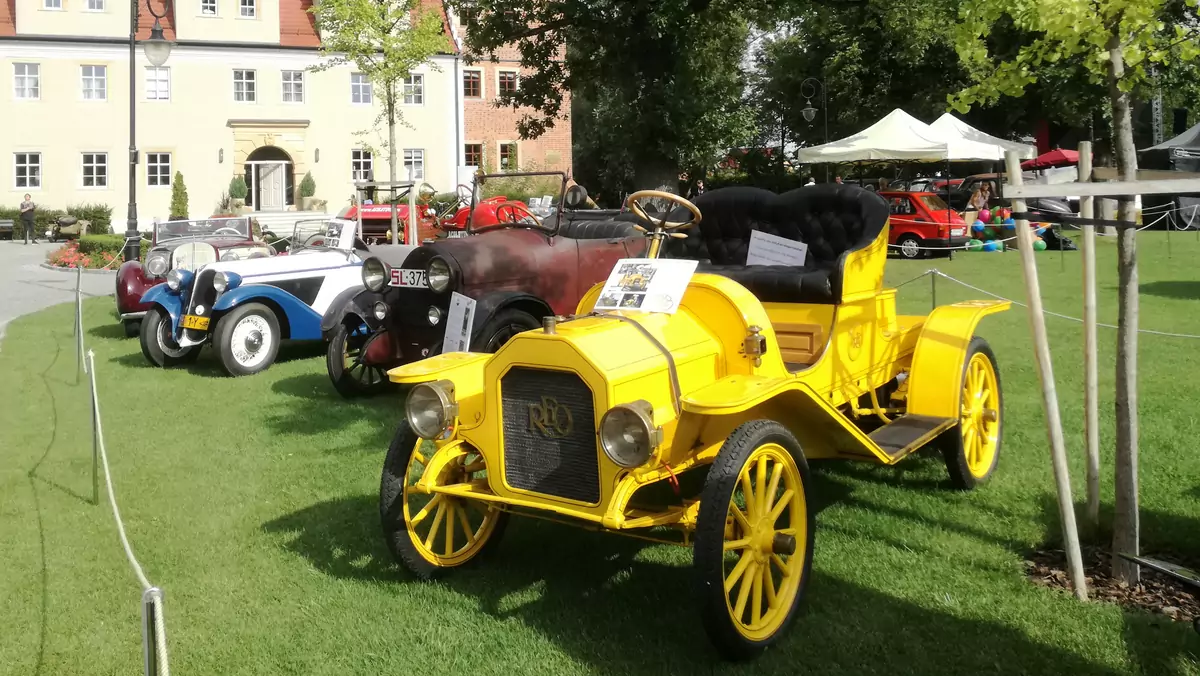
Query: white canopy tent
{"points": [[948, 125], [899, 137]]}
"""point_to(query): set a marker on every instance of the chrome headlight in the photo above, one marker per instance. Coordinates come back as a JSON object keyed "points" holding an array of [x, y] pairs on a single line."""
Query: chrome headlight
{"points": [[223, 281], [157, 264], [375, 274], [439, 274], [434, 315], [380, 310], [430, 408], [628, 434], [178, 279]]}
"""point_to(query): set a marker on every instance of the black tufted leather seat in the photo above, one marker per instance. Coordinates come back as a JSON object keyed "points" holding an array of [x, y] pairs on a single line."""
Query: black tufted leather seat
{"points": [[603, 229], [832, 219]]}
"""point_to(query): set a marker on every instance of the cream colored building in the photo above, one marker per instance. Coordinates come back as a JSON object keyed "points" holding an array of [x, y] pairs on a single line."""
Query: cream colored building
{"points": [[237, 96]]}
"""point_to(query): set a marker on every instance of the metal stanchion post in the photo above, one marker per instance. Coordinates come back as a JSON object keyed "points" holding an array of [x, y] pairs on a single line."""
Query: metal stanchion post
{"points": [[95, 450], [1168, 220], [151, 599], [933, 289], [78, 320]]}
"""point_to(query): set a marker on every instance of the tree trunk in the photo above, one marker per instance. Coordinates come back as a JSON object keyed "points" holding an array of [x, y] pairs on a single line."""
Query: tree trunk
{"points": [[390, 102], [1125, 517]]}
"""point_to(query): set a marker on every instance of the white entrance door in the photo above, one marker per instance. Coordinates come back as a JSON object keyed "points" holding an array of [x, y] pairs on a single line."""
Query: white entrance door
{"points": [[270, 186]]}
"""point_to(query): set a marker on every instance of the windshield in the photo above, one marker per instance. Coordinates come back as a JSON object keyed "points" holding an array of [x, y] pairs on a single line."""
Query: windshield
{"points": [[934, 203], [237, 227], [320, 234]]}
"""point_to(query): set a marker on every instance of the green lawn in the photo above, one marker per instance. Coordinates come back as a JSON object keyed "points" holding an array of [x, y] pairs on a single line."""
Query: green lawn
{"points": [[252, 503]]}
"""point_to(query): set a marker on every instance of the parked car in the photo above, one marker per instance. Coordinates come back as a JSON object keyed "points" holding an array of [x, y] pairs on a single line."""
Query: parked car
{"points": [[245, 308], [517, 271], [695, 428], [921, 221], [377, 222], [183, 245], [960, 195]]}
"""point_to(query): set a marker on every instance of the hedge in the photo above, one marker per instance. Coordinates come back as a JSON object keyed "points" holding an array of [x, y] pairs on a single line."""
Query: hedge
{"points": [[114, 244], [99, 215]]}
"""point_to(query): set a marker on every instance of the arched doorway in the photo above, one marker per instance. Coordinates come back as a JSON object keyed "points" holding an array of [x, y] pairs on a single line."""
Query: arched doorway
{"points": [[271, 178]]}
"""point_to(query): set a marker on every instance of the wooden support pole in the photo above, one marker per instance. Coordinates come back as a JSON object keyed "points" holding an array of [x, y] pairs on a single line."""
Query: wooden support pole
{"points": [[1091, 372], [1058, 451]]}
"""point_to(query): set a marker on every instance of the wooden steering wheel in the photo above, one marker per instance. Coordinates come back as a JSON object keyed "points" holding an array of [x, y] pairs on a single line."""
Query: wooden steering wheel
{"points": [[661, 226], [515, 213]]}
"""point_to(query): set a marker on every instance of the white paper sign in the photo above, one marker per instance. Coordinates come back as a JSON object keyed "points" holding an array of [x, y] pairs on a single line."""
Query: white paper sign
{"points": [[646, 285], [459, 321], [768, 249]]}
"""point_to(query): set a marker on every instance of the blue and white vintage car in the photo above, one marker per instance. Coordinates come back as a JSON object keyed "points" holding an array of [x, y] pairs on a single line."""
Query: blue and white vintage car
{"points": [[245, 308]]}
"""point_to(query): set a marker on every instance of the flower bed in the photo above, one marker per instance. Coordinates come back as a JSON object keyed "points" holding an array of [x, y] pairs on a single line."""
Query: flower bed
{"points": [[69, 255]]}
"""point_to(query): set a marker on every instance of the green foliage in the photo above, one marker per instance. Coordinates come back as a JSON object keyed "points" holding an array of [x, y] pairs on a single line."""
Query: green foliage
{"points": [[179, 198], [224, 205], [308, 186], [237, 188], [91, 245], [99, 215]]}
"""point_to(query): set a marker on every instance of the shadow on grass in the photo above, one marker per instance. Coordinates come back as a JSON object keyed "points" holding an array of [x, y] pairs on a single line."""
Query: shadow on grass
{"points": [[313, 407], [109, 331], [602, 602], [1183, 289]]}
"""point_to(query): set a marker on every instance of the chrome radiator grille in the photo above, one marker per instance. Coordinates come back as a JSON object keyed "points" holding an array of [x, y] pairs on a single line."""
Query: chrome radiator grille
{"points": [[549, 434]]}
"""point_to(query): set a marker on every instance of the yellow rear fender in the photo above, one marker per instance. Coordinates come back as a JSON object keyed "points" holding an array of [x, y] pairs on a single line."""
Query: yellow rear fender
{"points": [[935, 379]]}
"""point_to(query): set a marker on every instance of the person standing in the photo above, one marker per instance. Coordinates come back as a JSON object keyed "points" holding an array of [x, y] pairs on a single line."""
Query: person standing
{"points": [[27, 218]]}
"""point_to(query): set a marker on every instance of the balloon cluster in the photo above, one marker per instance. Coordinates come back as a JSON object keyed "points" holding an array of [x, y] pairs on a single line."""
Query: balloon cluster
{"points": [[993, 227]]}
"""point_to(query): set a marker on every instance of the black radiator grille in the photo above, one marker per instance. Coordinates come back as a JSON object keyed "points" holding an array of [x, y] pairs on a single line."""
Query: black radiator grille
{"points": [[203, 295], [549, 434]]}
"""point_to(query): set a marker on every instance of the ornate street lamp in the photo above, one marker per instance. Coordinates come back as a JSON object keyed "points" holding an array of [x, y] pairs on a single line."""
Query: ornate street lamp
{"points": [[808, 89], [157, 50]]}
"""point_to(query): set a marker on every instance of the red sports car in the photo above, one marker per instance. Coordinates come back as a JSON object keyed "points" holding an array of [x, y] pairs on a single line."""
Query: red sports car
{"points": [[921, 223]]}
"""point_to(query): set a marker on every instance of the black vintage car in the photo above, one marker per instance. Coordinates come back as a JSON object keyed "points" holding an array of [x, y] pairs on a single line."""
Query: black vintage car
{"points": [[513, 273]]}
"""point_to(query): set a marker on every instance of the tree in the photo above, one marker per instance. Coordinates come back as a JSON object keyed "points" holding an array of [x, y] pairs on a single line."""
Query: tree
{"points": [[655, 85], [384, 41], [179, 198], [1117, 42]]}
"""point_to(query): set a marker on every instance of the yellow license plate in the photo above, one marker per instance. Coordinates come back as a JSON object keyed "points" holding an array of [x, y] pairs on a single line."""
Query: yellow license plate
{"points": [[194, 322]]}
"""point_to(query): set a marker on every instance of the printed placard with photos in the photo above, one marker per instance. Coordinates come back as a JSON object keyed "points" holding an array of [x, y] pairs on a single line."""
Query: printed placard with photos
{"points": [[646, 285]]}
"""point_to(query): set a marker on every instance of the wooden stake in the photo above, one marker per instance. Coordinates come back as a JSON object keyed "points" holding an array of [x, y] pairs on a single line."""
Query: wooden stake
{"points": [[1058, 451], [1091, 372]]}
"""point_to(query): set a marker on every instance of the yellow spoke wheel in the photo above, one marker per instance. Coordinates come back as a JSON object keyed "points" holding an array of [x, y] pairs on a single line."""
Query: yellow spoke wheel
{"points": [[972, 448], [430, 532], [754, 539]]}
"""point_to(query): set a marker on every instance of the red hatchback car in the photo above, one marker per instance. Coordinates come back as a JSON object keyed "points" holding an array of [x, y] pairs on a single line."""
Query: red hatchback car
{"points": [[922, 223]]}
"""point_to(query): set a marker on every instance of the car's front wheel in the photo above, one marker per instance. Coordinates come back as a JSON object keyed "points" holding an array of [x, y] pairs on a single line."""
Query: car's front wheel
{"points": [[247, 339], [345, 361], [502, 327], [159, 346], [909, 246]]}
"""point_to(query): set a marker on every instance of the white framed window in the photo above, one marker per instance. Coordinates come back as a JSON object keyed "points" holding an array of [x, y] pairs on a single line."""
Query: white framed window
{"points": [[95, 83], [158, 168], [244, 86], [95, 170], [247, 9], [158, 83], [414, 164], [51, 4], [293, 86], [95, 5], [362, 165], [360, 88], [208, 7], [27, 170], [412, 90], [27, 80]]}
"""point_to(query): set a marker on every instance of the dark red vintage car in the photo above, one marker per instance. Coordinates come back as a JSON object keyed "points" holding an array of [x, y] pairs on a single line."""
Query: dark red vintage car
{"points": [[516, 271], [921, 223], [186, 245]]}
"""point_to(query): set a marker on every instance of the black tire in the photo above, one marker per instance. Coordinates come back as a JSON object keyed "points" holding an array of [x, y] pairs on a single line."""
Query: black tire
{"points": [[396, 530], [914, 247], [501, 327], [358, 379], [133, 327], [268, 335], [952, 441], [711, 526], [159, 346]]}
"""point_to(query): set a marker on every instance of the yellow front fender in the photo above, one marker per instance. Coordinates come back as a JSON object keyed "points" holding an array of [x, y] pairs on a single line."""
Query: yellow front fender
{"points": [[464, 369], [937, 366]]}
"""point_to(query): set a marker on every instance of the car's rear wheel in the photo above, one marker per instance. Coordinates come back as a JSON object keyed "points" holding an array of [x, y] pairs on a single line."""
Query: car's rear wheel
{"points": [[158, 345], [344, 360], [754, 539], [909, 246], [972, 447], [430, 533], [247, 339], [502, 327]]}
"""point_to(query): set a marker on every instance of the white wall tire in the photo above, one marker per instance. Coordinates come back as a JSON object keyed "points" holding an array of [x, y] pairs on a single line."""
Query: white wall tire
{"points": [[247, 339]]}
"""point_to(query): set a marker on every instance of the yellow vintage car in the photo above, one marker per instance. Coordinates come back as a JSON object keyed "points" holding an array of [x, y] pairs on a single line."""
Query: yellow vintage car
{"points": [[695, 427]]}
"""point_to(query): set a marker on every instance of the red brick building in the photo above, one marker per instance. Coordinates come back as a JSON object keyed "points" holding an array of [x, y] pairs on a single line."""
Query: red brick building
{"points": [[490, 137]]}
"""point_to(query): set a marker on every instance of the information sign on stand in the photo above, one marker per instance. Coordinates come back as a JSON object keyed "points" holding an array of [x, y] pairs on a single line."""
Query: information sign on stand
{"points": [[459, 321], [768, 249], [646, 285]]}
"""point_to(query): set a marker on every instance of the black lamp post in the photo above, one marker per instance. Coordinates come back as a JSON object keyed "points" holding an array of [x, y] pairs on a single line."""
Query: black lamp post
{"points": [[810, 112], [157, 50]]}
